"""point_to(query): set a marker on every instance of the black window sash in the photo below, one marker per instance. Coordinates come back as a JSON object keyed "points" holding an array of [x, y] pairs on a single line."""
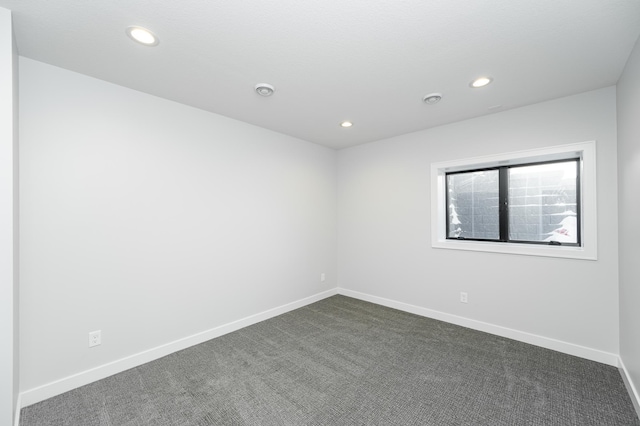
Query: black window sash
{"points": [[503, 210]]}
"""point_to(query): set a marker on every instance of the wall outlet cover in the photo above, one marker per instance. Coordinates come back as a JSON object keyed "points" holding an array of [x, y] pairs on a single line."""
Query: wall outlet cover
{"points": [[95, 338]]}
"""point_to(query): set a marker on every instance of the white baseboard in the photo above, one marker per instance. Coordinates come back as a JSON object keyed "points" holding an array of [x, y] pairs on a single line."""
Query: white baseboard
{"points": [[545, 342], [66, 384], [633, 392], [16, 416]]}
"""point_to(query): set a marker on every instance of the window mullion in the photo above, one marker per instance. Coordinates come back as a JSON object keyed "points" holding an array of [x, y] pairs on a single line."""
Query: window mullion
{"points": [[503, 199]]}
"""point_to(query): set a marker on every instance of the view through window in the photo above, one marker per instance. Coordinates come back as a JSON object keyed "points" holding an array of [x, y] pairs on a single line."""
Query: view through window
{"points": [[531, 203]]}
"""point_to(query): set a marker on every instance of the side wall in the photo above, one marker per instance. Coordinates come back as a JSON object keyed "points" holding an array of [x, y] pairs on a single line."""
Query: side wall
{"points": [[9, 374], [385, 251], [153, 221], [629, 206]]}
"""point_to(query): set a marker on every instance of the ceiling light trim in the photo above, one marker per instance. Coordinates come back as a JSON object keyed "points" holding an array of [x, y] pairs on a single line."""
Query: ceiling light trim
{"points": [[479, 82], [142, 36]]}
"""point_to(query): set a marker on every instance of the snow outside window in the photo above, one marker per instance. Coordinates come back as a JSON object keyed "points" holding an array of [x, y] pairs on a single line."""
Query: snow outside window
{"points": [[473, 204], [543, 203]]}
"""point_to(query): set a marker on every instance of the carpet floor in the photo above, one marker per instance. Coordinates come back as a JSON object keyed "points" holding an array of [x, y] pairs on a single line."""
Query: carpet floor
{"points": [[342, 361]]}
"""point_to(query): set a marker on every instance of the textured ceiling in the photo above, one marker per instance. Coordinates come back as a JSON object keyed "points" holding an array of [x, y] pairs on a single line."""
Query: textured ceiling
{"points": [[366, 61]]}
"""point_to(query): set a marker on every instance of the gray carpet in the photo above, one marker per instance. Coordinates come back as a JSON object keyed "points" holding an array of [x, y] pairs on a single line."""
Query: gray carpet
{"points": [[342, 361]]}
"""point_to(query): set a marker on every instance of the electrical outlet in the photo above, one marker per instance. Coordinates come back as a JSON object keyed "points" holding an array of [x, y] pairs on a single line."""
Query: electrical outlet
{"points": [[463, 297], [322, 277], [94, 338]]}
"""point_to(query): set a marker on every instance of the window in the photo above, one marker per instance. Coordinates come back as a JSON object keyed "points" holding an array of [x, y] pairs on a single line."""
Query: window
{"points": [[539, 202], [530, 203]]}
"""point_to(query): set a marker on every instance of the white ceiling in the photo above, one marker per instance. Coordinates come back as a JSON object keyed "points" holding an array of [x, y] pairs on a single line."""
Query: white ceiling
{"points": [[363, 60]]}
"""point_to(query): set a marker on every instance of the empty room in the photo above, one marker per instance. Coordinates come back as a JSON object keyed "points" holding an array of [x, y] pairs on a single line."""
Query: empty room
{"points": [[319, 213]]}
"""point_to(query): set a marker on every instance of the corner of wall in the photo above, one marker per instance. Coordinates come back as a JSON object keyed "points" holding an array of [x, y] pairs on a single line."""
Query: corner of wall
{"points": [[9, 382], [633, 392], [628, 108]]}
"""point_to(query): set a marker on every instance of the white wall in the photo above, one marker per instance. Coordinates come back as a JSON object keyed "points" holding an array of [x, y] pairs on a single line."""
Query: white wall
{"points": [[385, 242], [628, 91], [152, 221], [9, 374]]}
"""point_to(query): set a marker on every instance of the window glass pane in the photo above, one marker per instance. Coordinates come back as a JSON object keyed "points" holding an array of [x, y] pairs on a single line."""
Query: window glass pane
{"points": [[543, 203], [472, 205]]}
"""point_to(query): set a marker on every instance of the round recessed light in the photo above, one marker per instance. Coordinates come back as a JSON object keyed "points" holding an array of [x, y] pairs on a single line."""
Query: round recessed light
{"points": [[480, 82], [142, 36], [264, 89], [346, 124], [432, 98]]}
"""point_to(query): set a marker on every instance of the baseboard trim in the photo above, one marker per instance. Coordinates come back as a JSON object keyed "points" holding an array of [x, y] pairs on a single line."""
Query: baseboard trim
{"points": [[66, 384], [633, 392], [16, 416], [545, 342]]}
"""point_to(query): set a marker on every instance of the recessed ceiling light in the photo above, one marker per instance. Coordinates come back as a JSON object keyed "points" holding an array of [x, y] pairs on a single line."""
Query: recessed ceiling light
{"points": [[432, 98], [480, 82], [346, 124], [142, 36], [264, 89]]}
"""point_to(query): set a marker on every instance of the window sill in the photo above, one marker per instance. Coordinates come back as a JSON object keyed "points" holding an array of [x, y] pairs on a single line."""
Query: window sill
{"points": [[568, 252]]}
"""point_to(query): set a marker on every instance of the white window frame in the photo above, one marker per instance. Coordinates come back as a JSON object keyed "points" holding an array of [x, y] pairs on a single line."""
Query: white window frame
{"points": [[586, 151]]}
